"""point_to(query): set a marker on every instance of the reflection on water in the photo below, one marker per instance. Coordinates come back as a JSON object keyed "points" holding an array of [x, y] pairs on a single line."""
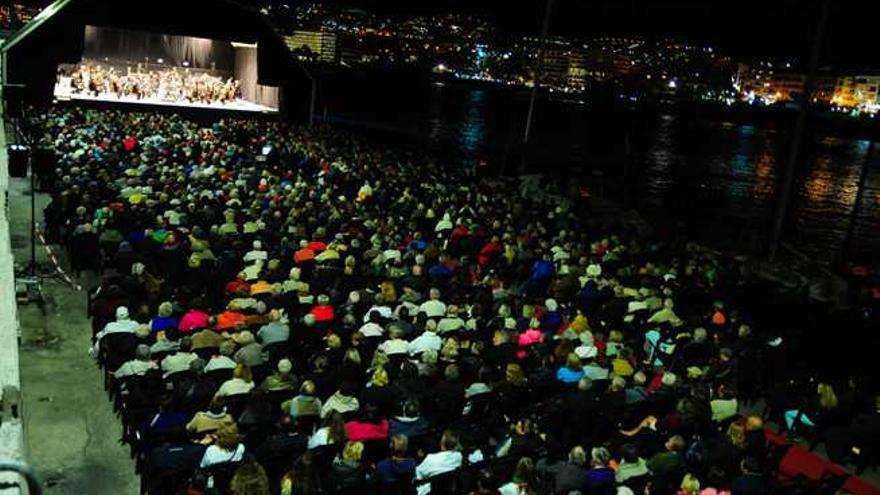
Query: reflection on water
{"points": [[829, 192], [719, 179], [764, 181], [727, 175], [471, 131], [659, 161]]}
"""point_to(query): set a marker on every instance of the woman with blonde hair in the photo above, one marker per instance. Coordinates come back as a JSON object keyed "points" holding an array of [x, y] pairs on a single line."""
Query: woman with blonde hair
{"points": [[736, 435], [823, 408], [827, 397], [690, 485], [378, 394], [227, 447], [513, 392], [347, 470]]}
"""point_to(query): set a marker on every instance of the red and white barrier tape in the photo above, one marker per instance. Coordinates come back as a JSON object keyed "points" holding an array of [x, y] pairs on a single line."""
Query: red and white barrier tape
{"points": [[55, 262]]}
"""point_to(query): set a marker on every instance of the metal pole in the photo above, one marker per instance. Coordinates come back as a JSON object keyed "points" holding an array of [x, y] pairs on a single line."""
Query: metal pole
{"points": [[31, 152], [863, 177], [540, 72], [798, 135]]}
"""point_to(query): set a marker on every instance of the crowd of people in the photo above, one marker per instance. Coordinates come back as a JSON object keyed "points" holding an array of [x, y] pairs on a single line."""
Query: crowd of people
{"points": [[342, 318], [165, 84]]}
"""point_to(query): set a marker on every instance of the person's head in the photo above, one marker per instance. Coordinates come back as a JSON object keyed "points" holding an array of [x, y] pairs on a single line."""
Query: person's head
{"points": [[524, 473], [577, 456], [249, 479], [599, 457], [217, 406], [618, 383], [524, 426], [335, 424], [333, 341], [514, 374], [585, 384], [227, 437], [411, 408], [379, 378], [675, 443], [827, 397], [307, 388], [197, 366], [629, 453], [736, 434], [352, 356], [375, 317], [750, 465], [186, 344], [639, 378], [121, 313], [227, 348], [700, 335], [142, 352], [399, 444], [449, 441], [669, 379], [285, 366], [352, 452], [380, 360], [434, 294], [395, 332], [690, 485], [244, 373], [451, 373], [165, 309], [573, 362], [754, 423]]}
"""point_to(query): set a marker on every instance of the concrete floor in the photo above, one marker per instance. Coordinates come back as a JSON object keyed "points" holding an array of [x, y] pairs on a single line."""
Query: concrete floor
{"points": [[71, 431]]}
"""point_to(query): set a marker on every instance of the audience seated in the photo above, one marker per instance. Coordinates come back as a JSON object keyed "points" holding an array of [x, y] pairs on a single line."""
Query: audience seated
{"points": [[352, 319]]}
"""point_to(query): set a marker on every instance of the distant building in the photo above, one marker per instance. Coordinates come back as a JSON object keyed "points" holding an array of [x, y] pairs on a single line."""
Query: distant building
{"points": [[769, 85], [556, 62], [868, 88], [320, 43], [577, 71], [824, 87]]}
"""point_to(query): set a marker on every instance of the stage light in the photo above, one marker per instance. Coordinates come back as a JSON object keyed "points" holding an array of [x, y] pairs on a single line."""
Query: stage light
{"points": [[161, 60], [185, 63]]}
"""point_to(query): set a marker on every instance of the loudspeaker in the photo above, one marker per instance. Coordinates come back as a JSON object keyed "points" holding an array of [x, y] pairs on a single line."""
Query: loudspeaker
{"points": [[18, 160]]}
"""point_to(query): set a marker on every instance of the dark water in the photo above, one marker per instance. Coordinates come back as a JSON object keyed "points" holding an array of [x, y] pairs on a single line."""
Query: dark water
{"points": [[716, 180]]}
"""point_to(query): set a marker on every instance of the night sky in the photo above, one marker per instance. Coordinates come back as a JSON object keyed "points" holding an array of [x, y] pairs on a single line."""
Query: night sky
{"points": [[780, 28], [742, 28]]}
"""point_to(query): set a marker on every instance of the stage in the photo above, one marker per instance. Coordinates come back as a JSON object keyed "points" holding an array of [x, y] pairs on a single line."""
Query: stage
{"points": [[63, 93]]}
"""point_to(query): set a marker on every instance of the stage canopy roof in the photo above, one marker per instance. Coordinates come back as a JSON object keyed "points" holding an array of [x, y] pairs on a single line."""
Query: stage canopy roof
{"points": [[57, 34]]}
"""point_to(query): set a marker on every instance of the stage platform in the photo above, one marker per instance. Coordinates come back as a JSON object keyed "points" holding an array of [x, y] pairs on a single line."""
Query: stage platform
{"points": [[62, 93]]}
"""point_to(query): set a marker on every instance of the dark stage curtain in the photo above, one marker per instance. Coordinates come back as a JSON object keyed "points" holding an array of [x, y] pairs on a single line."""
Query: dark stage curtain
{"points": [[246, 72], [137, 46]]}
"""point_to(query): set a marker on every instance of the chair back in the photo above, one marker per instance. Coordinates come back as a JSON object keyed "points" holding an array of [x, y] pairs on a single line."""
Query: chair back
{"points": [[222, 474]]}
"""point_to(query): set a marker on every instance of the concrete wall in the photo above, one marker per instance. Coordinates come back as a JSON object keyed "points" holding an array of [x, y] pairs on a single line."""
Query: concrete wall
{"points": [[11, 432]]}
